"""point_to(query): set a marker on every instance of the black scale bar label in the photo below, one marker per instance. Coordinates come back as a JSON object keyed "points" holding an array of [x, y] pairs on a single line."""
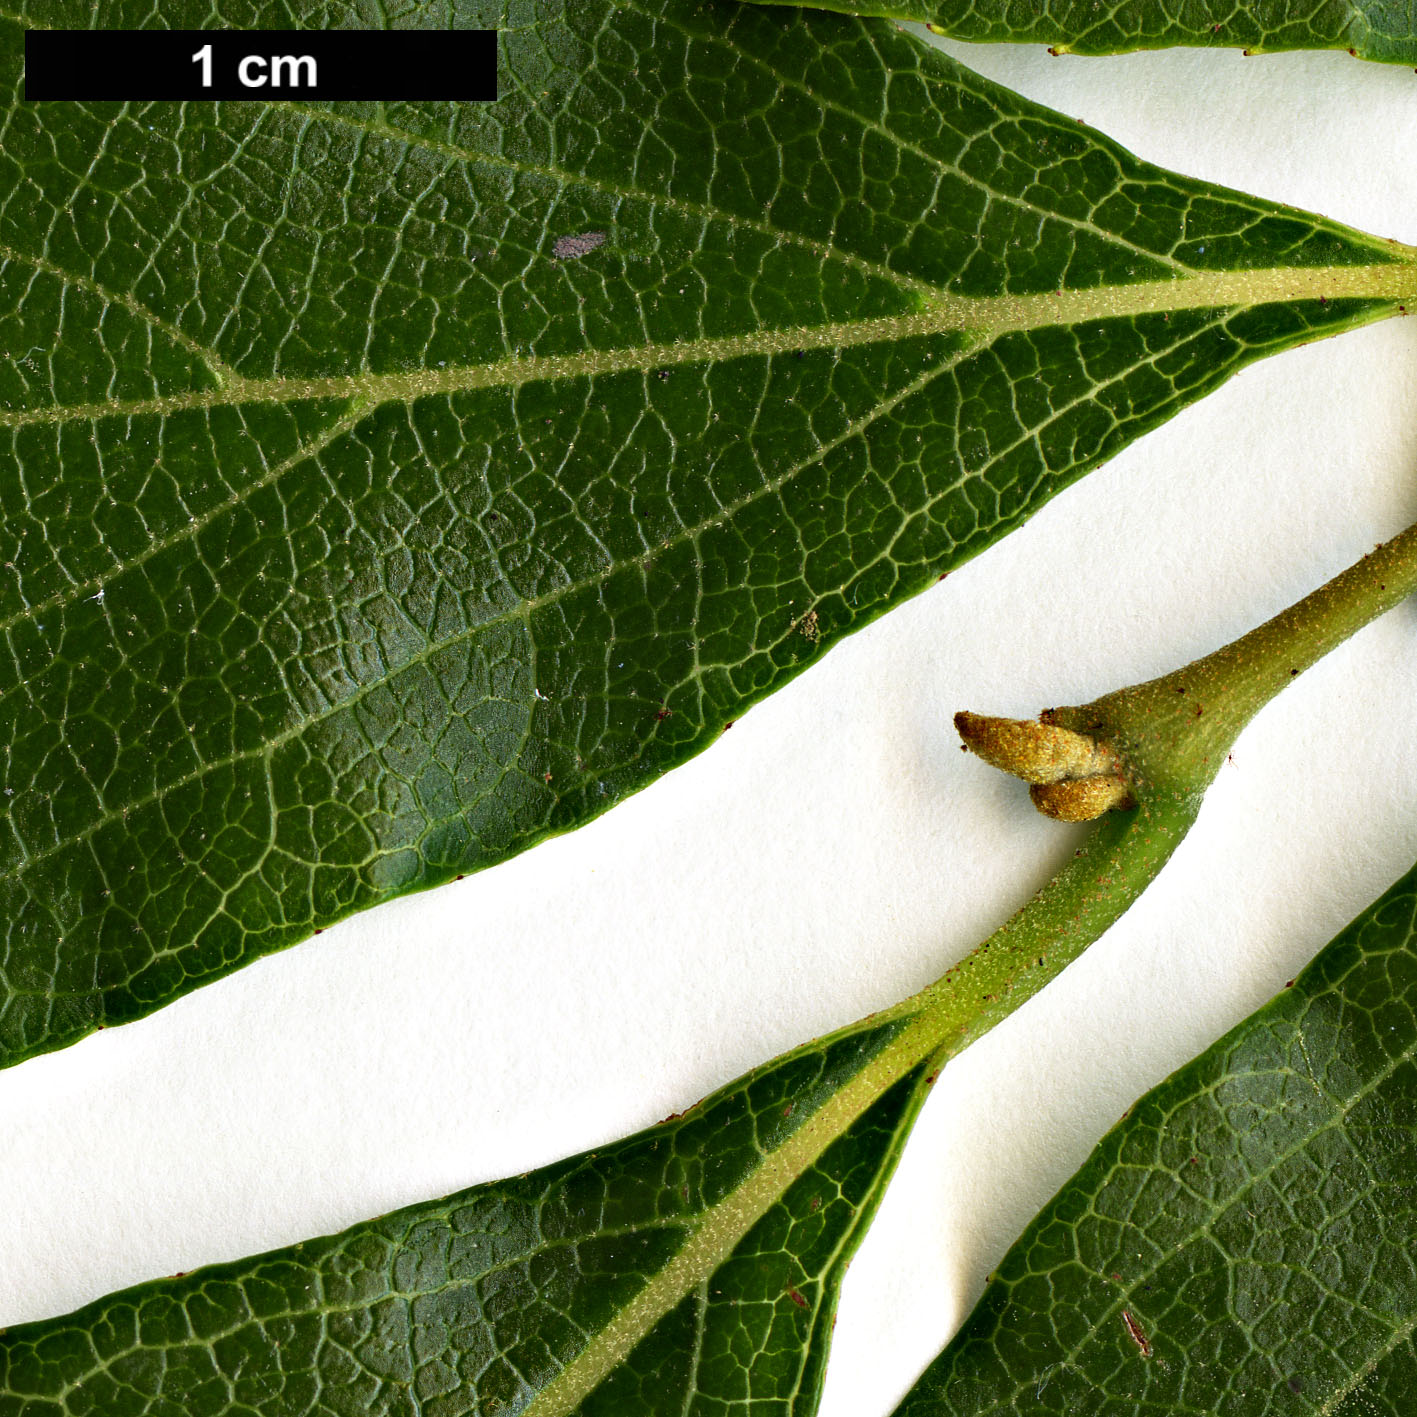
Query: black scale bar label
{"points": [[266, 64]]}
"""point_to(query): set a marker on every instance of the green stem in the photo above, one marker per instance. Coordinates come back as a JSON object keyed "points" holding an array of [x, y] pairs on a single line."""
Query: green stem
{"points": [[1119, 859], [1171, 735]]}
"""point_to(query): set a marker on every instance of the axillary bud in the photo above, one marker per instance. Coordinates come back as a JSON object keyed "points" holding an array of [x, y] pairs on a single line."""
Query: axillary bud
{"points": [[1074, 777], [1082, 798], [1036, 752]]}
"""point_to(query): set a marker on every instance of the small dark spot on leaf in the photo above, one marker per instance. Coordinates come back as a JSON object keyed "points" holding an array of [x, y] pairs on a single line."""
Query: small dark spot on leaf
{"points": [[1294, 1385], [661, 373], [1288, 983], [797, 1298], [663, 714], [729, 724], [1293, 672]]}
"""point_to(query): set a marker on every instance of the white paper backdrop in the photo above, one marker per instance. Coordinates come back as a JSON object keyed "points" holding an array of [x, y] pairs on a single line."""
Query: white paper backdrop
{"points": [[836, 851]]}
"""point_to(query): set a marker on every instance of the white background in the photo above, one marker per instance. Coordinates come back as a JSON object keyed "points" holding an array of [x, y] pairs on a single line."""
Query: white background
{"points": [[836, 851]]}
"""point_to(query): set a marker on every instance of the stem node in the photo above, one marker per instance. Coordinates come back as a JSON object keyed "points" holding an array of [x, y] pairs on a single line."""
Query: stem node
{"points": [[1074, 777]]}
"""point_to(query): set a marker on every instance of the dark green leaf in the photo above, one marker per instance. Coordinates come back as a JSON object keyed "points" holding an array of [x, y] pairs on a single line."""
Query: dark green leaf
{"points": [[359, 532], [692, 1269], [1242, 1242], [1369, 29]]}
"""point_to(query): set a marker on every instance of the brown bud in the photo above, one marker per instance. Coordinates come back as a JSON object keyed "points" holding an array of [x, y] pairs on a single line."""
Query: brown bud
{"points": [[1082, 798], [1036, 752]]}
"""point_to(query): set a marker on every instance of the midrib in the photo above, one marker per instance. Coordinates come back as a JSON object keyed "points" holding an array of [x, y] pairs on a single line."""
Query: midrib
{"points": [[724, 1225], [984, 317]]}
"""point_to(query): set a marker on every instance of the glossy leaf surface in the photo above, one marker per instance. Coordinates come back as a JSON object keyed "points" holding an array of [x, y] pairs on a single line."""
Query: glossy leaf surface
{"points": [[1242, 1242], [367, 518], [691, 1269], [1383, 30]]}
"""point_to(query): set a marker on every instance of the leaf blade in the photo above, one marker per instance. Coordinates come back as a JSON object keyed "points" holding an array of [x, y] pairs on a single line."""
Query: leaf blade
{"points": [[1246, 1223], [279, 655], [480, 1302]]}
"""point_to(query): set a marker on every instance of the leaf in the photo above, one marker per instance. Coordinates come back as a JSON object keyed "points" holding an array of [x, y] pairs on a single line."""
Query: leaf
{"points": [[691, 1268], [1242, 1241], [1384, 30], [355, 539]]}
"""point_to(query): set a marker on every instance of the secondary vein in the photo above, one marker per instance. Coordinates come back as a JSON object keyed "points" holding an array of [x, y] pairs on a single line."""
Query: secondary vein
{"points": [[703, 211], [219, 370], [521, 610]]}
